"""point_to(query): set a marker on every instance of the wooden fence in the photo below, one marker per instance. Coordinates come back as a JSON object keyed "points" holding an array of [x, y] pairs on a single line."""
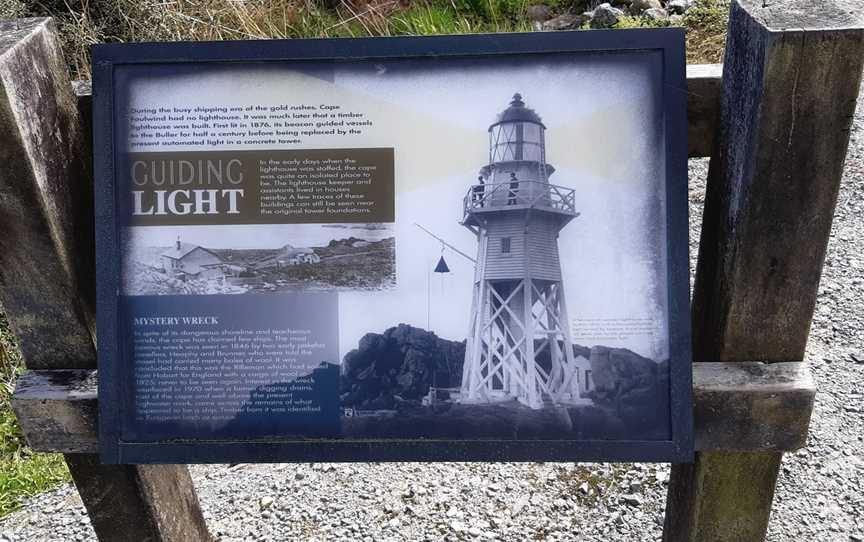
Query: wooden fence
{"points": [[775, 120]]}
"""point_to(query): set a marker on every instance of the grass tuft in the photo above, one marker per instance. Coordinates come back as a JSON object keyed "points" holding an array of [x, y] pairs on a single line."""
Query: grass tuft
{"points": [[23, 473]]}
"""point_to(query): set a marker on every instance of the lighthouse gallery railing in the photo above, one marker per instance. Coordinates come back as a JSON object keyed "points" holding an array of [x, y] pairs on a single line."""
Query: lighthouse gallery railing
{"points": [[519, 195]]}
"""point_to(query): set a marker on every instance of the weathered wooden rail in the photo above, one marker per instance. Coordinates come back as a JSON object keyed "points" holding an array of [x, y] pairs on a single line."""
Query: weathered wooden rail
{"points": [[776, 126], [739, 407]]}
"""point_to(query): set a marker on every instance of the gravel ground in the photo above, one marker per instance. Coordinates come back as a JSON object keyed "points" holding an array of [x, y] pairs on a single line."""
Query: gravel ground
{"points": [[818, 498]]}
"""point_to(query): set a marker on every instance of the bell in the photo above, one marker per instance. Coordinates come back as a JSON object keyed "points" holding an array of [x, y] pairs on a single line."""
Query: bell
{"points": [[442, 266]]}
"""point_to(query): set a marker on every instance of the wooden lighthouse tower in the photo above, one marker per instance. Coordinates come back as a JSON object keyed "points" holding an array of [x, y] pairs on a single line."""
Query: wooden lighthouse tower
{"points": [[519, 338]]}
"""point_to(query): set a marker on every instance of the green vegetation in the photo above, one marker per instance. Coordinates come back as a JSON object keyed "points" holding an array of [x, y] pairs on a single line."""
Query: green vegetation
{"points": [[642, 22], [23, 473], [86, 22], [706, 31]]}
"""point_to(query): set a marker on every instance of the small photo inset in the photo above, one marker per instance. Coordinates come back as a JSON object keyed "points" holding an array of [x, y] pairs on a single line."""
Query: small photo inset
{"points": [[210, 260]]}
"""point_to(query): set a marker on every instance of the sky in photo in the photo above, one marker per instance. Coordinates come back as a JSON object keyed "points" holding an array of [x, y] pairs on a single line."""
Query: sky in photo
{"points": [[603, 136]]}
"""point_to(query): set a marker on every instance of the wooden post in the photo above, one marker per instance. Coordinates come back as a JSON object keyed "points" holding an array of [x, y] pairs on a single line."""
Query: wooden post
{"points": [[46, 204], [46, 273], [790, 83]]}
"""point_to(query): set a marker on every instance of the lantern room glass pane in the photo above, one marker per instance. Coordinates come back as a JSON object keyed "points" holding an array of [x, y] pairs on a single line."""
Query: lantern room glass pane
{"points": [[531, 133], [516, 141], [531, 151]]}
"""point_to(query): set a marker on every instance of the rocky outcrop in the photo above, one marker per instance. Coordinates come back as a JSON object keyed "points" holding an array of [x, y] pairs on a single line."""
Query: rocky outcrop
{"points": [[399, 364], [617, 370], [349, 242], [395, 369], [634, 387]]}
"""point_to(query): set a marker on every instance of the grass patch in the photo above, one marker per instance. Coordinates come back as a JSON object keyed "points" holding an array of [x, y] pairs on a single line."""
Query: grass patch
{"points": [[23, 473], [705, 25], [629, 21], [428, 19], [86, 22], [706, 31]]}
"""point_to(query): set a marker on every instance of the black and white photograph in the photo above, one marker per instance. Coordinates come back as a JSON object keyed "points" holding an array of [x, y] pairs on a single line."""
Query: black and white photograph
{"points": [[210, 260], [564, 335]]}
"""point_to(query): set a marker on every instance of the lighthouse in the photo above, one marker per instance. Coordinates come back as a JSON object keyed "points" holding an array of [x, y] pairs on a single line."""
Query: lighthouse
{"points": [[519, 344]]}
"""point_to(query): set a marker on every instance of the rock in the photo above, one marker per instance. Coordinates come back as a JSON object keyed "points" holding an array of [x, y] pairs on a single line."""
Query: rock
{"points": [[265, 503], [567, 21], [676, 20], [638, 6], [605, 16], [519, 505], [394, 523], [538, 13], [631, 499], [656, 14], [679, 7], [634, 387], [402, 363]]}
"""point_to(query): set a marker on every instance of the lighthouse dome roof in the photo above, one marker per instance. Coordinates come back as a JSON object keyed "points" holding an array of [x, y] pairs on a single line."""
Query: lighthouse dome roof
{"points": [[517, 112]]}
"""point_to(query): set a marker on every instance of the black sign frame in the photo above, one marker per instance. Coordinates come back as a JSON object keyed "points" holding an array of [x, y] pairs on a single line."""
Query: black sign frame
{"points": [[113, 387]]}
